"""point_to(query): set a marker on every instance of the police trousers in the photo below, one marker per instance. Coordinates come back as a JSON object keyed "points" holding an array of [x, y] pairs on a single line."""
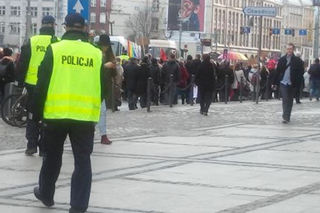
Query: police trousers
{"points": [[81, 135], [34, 133]]}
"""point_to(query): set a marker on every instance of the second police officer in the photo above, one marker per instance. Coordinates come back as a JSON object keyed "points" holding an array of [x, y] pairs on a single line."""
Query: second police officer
{"points": [[32, 54]]}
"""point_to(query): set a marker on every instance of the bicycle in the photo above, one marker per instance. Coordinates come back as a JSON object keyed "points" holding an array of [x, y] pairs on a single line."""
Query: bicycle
{"points": [[13, 109]]}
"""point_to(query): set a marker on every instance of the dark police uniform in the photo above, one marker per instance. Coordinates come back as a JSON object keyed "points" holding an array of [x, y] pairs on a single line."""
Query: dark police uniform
{"points": [[31, 56], [68, 98]]}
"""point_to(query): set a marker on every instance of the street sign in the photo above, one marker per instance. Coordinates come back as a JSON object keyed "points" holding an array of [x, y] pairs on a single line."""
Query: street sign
{"points": [[260, 11], [246, 29], [79, 6], [303, 32], [276, 31], [316, 2], [288, 31]]}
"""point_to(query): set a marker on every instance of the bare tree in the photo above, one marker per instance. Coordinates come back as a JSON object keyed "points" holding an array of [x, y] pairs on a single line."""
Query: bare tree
{"points": [[140, 23]]}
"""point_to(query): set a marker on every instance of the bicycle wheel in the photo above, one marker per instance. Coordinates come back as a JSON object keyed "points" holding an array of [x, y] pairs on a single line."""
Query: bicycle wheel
{"points": [[18, 111], [6, 108]]}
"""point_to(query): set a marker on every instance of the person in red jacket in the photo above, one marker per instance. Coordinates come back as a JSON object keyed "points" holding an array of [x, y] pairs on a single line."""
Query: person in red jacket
{"points": [[182, 84]]}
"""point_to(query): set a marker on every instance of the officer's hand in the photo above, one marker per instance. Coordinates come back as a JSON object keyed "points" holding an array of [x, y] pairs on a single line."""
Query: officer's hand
{"points": [[110, 65]]}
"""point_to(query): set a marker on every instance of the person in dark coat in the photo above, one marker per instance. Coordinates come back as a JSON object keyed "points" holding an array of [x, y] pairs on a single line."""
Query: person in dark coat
{"points": [[130, 79], [205, 80], [196, 63], [263, 82], [143, 73], [156, 78], [223, 71], [170, 68], [191, 72], [7, 70], [314, 72], [288, 76], [298, 91]]}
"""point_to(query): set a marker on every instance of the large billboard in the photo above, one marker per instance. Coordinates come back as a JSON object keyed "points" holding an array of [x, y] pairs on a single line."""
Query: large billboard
{"points": [[191, 14]]}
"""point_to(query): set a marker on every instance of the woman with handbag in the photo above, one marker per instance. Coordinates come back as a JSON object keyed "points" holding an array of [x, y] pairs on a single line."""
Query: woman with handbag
{"points": [[238, 75]]}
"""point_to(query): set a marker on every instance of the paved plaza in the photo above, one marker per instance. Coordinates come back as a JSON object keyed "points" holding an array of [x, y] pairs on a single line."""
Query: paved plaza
{"points": [[240, 158]]}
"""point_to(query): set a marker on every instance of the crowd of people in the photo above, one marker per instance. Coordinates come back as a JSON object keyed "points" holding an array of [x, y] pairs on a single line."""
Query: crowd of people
{"points": [[214, 81]]}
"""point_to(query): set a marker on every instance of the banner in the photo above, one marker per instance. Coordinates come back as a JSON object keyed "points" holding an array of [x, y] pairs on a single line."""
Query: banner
{"points": [[192, 15]]}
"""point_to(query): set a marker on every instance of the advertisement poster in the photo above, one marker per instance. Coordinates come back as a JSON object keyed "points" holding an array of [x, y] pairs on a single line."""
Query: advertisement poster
{"points": [[192, 15]]}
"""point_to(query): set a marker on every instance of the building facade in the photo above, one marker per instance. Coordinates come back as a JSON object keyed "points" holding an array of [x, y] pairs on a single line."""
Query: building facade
{"points": [[229, 18], [299, 15], [100, 17], [13, 15]]}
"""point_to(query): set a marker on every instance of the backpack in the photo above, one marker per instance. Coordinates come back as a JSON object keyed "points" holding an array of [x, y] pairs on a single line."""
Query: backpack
{"points": [[254, 78]]}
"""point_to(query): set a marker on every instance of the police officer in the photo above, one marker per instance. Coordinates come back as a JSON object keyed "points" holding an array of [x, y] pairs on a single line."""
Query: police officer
{"points": [[67, 98], [32, 54]]}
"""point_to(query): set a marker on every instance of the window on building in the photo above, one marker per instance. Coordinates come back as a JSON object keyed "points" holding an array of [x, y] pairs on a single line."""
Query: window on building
{"points": [[34, 11], [155, 24], [103, 3], [15, 11], [14, 28], [102, 18], [47, 11], [156, 5], [34, 28], [2, 27], [93, 17], [2, 10], [93, 3]]}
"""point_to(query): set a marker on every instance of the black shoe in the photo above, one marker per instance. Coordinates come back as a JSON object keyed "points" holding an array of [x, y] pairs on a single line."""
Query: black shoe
{"points": [[37, 194], [285, 122], [41, 153], [205, 114], [75, 210], [31, 151], [298, 102]]}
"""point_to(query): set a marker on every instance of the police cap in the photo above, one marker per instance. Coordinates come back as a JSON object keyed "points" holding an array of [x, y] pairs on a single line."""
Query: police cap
{"points": [[48, 20], [74, 20]]}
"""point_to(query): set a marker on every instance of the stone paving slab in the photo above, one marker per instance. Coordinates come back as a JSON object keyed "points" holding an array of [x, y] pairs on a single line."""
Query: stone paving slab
{"points": [[200, 166]]}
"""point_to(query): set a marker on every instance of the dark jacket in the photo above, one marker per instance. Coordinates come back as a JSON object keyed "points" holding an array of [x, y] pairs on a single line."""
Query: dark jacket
{"points": [[222, 72], [23, 64], [314, 72], [8, 66], [295, 74], [142, 76], [170, 68], [45, 72], [130, 78], [195, 65], [108, 75], [205, 76], [155, 74]]}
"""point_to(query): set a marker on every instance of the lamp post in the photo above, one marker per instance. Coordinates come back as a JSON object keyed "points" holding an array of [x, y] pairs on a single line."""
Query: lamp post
{"points": [[180, 28], [28, 21]]}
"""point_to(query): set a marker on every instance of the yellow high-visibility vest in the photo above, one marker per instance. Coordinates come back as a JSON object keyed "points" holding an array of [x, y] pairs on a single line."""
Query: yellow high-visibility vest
{"points": [[75, 90], [38, 44], [124, 57]]}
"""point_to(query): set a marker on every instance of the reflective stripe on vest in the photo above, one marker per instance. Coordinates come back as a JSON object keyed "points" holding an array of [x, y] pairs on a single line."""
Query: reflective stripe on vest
{"points": [[75, 89], [38, 44]]}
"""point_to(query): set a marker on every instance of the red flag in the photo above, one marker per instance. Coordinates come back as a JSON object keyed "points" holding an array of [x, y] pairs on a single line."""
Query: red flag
{"points": [[163, 55]]}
